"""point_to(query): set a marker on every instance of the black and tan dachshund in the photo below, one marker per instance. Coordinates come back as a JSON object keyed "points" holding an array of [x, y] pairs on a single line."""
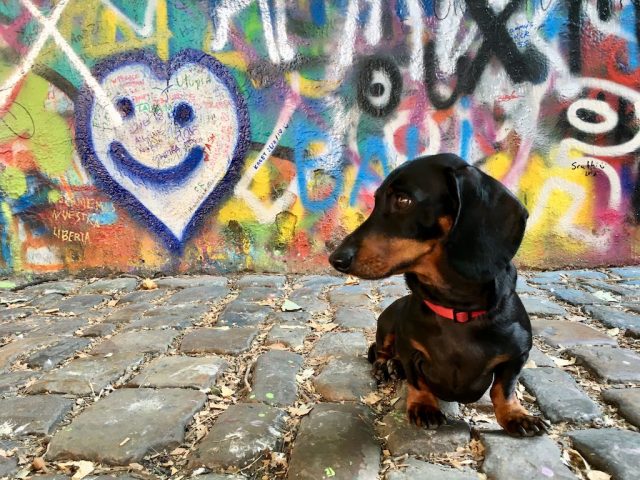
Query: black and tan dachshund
{"points": [[452, 231]]}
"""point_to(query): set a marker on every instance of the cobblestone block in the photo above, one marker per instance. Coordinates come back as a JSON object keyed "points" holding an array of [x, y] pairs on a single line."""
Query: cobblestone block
{"points": [[612, 450], [360, 318], [174, 316], [417, 469], [629, 322], [274, 378], [613, 365], [152, 341], [52, 356], [81, 304], [575, 297], [110, 285], [564, 333], [541, 306], [180, 372], [201, 294], [10, 382], [345, 379], [33, 415], [628, 402], [191, 281], [270, 281], [291, 336], [224, 341], [340, 344]]}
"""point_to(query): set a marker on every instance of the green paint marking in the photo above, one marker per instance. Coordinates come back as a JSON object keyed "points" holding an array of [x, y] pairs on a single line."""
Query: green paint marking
{"points": [[13, 182], [329, 472], [269, 395], [261, 415]]}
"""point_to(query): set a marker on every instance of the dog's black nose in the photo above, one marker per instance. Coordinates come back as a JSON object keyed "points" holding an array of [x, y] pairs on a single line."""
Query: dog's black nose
{"points": [[342, 258]]}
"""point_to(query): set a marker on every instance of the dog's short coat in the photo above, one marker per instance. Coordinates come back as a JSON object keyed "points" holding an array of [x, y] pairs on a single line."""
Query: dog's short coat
{"points": [[452, 231]]}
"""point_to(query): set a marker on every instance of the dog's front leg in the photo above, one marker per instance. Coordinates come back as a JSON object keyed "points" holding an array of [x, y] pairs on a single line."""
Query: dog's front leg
{"points": [[422, 406], [511, 415]]}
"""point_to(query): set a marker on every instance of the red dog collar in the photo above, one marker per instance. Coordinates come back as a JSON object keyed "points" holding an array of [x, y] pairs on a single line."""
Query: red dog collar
{"points": [[453, 314]]}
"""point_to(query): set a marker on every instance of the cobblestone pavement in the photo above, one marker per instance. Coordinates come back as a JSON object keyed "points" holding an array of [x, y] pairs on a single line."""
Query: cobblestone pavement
{"points": [[265, 376]]}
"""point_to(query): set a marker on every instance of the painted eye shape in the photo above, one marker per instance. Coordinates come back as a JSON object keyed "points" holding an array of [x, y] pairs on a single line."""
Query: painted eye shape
{"points": [[379, 87], [125, 106], [402, 201], [183, 114]]}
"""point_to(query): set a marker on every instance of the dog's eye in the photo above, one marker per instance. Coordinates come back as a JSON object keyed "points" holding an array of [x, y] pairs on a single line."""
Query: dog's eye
{"points": [[402, 201]]}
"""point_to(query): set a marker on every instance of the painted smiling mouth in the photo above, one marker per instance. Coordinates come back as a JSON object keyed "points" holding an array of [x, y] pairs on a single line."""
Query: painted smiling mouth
{"points": [[173, 176]]}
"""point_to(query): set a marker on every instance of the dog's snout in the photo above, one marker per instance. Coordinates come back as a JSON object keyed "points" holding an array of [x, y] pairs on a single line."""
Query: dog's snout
{"points": [[342, 258]]}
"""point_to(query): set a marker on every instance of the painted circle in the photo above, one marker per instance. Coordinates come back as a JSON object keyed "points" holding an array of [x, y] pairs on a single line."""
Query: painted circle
{"points": [[183, 114], [125, 106], [598, 107], [379, 86]]}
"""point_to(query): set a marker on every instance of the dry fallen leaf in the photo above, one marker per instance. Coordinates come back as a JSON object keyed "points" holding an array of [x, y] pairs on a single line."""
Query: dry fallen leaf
{"points": [[148, 284], [39, 465], [225, 391], [598, 475], [323, 327], [371, 399], [612, 332], [84, 469], [289, 306], [561, 362], [300, 411], [352, 280]]}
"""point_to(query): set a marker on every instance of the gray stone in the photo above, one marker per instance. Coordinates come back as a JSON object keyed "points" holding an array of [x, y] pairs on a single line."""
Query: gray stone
{"points": [[541, 306], [508, 458], [191, 281], [583, 274], [275, 378], [240, 435], [224, 341], [61, 287], [355, 318], [8, 466], [244, 314], [201, 294], [345, 379], [616, 318], [86, 376], [628, 402], [291, 336], [300, 317], [128, 313], [181, 372], [335, 441], [98, 330], [220, 476], [81, 304], [613, 365], [631, 283], [405, 438], [340, 344], [54, 355], [59, 327], [575, 297], [12, 314], [271, 281], [10, 382], [350, 296], [523, 287], [595, 285], [175, 316], [18, 348], [626, 272], [258, 294], [558, 396], [609, 449], [33, 415], [151, 341], [394, 290], [308, 299], [564, 333], [18, 327], [540, 359], [417, 470], [546, 278], [141, 296], [152, 420], [46, 302], [319, 281], [110, 285]]}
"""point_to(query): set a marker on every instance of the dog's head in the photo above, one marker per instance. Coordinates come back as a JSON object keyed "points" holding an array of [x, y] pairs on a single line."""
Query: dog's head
{"points": [[435, 209]]}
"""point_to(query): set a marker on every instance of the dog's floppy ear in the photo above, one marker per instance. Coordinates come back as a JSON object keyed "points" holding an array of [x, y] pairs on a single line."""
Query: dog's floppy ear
{"points": [[488, 227]]}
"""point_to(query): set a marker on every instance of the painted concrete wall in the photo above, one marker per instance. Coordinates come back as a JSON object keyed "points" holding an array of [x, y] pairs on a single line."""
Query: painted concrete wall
{"points": [[235, 134]]}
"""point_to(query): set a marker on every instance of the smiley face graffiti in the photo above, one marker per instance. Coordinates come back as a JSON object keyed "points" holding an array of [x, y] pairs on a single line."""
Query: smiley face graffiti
{"points": [[179, 149]]}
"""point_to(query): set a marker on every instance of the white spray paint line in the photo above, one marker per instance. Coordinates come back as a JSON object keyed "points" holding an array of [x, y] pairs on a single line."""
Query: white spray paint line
{"points": [[147, 27], [10, 83], [598, 106], [417, 55], [267, 214], [267, 30], [73, 58], [345, 53], [287, 53], [224, 13], [373, 28], [447, 52]]}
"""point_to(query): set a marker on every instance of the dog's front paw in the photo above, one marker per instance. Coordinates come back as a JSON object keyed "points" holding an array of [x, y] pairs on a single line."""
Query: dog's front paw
{"points": [[425, 416], [525, 425], [388, 369]]}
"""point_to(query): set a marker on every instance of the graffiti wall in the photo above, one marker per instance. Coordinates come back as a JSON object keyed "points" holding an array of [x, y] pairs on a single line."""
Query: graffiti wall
{"points": [[224, 135]]}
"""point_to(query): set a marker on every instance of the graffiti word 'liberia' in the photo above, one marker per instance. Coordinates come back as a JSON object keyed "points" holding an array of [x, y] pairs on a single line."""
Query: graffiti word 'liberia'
{"points": [[71, 236]]}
